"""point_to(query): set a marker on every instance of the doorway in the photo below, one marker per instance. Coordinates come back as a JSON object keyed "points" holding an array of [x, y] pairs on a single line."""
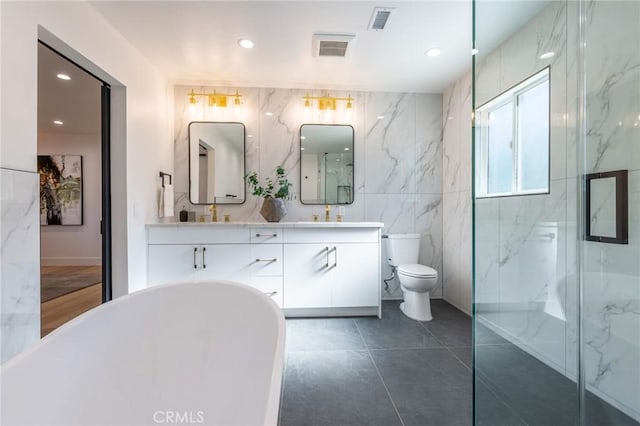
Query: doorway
{"points": [[73, 162]]}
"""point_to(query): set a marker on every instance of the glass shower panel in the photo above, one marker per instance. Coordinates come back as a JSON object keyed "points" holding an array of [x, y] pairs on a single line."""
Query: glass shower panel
{"points": [[525, 246], [610, 344], [556, 317]]}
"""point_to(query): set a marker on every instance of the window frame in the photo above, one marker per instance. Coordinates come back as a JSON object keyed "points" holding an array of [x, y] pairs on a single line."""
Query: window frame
{"points": [[482, 114]]}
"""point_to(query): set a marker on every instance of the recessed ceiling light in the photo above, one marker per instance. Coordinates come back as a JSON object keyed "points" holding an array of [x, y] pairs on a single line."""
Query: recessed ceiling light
{"points": [[450, 118], [58, 122], [346, 149], [380, 117], [63, 76], [433, 52], [302, 148], [303, 137], [268, 113], [547, 55], [246, 43], [474, 51]]}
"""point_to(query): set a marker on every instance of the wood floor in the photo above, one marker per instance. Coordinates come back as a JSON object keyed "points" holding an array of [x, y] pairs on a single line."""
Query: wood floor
{"points": [[58, 311]]}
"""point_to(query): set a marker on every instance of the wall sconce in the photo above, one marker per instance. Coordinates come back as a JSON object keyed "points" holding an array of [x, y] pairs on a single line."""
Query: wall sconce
{"points": [[326, 102], [215, 100]]}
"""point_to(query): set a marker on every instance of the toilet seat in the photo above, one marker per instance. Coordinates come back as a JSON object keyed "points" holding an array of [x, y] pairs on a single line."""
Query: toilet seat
{"points": [[416, 270]]}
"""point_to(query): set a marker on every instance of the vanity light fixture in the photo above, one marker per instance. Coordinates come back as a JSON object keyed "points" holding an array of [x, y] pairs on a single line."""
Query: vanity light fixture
{"points": [[327, 102], [215, 99], [58, 122], [62, 76]]}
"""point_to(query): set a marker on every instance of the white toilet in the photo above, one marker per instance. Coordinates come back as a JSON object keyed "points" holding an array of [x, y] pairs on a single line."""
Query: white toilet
{"points": [[416, 280]]}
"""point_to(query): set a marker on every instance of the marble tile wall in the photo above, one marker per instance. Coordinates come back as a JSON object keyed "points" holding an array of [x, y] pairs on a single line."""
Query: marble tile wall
{"points": [[457, 217], [20, 271], [397, 163]]}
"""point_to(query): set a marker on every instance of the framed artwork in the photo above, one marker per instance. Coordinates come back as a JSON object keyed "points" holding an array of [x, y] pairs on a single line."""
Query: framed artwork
{"points": [[60, 189]]}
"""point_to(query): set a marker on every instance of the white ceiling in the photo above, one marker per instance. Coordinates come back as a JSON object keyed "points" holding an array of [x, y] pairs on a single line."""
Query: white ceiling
{"points": [[196, 41], [75, 102]]}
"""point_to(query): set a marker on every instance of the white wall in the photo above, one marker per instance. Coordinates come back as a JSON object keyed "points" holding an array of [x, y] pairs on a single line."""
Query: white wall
{"points": [[75, 245], [141, 144]]}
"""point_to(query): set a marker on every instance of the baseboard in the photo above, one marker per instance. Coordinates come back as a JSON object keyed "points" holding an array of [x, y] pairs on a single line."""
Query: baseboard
{"points": [[70, 261], [457, 306]]}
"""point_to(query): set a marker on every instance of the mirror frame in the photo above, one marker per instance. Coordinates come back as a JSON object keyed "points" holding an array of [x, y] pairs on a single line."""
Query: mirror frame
{"points": [[353, 169], [244, 148]]}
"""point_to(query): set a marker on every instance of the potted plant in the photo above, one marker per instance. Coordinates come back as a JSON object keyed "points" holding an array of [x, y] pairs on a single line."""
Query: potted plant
{"points": [[273, 207]]}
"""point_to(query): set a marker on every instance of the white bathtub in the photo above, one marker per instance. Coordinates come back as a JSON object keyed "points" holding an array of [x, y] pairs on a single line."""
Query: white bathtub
{"points": [[194, 353]]}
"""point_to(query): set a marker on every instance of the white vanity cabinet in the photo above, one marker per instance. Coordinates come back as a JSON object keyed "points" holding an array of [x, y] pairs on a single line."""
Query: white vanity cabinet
{"points": [[332, 270], [309, 269]]}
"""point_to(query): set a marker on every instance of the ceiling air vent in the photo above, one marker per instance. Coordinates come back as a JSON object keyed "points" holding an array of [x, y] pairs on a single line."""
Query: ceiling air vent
{"points": [[380, 18], [331, 44]]}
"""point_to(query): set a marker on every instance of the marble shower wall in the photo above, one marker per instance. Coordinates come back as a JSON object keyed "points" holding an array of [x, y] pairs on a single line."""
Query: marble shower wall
{"points": [[611, 272], [20, 274], [397, 159], [457, 218]]}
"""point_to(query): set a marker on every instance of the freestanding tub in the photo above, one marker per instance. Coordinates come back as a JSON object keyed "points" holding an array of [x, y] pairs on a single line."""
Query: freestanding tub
{"points": [[191, 353]]}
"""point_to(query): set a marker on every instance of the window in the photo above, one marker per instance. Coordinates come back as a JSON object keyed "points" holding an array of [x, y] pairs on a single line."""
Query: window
{"points": [[512, 134]]}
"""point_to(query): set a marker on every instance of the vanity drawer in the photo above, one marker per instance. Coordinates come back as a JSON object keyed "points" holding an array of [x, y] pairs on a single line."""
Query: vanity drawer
{"points": [[266, 235], [332, 235], [272, 286], [198, 234], [267, 259]]}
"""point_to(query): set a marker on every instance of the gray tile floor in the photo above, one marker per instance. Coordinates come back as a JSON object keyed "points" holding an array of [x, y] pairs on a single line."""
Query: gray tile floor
{"points": [[396, 371], [366, 371]]}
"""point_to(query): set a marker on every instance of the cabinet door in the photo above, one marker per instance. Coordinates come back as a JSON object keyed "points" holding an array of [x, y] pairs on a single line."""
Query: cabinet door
{"points": [[173, 263], [355, 273], [307, 280], [230, 262]]}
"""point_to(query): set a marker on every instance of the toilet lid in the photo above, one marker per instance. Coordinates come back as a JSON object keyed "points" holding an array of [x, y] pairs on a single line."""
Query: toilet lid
{"points": [[416, 270]]}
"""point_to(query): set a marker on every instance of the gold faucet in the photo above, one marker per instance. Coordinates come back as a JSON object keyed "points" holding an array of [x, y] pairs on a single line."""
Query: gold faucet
{"points": [[214, 213], [327, 213]]}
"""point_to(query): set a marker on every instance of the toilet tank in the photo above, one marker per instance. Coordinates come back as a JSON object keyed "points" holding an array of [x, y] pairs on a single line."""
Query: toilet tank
{"points": [[402, 249]]}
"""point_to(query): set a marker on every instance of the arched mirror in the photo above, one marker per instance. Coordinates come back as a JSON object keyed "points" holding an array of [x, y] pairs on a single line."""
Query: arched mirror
{"points": [[216, 163], [326, 164]]}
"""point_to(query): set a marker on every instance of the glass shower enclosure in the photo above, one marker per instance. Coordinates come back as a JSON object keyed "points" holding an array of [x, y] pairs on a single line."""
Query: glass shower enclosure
{"points": [[556, 213]]}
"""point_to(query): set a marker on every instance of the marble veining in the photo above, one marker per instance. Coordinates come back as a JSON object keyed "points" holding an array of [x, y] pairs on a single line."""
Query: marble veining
{"points": [[20, 272]]}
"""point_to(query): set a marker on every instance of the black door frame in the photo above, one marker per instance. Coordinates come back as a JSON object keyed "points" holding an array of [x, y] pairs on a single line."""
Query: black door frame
{"points": [[105, 223]]}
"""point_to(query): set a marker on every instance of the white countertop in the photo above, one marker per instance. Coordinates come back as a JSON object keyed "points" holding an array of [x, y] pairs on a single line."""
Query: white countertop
{"points": [[273, 224]]}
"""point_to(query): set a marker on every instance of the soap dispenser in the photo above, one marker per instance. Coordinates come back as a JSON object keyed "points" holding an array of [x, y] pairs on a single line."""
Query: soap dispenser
{"points": [[184, 215]]}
